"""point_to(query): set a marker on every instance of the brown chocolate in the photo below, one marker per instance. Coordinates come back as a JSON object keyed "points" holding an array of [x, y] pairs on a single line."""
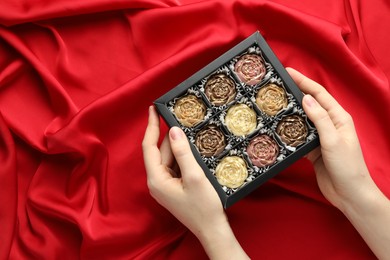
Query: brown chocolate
{"points": [[292, 130], [220, 89], [210, 141]]}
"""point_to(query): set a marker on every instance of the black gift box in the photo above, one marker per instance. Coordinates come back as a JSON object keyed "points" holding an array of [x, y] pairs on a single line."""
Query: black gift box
{"points": [[265, 124]]}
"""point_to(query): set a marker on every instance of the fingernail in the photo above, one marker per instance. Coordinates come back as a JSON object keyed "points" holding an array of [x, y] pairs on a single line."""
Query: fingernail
{"points": [[309, 100], [176, 133]]}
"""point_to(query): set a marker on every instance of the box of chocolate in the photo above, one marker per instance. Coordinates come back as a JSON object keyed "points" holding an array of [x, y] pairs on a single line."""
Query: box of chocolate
{"points": [[243, 117]]}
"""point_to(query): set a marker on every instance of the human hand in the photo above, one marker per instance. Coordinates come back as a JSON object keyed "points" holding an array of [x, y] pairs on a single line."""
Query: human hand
{"points": [[179, 184], [341, 172]]}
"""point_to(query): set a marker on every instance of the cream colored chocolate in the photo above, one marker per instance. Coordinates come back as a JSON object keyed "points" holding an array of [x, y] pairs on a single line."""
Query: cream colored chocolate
{"points": [[190, 110], [231, 172], [271, 99], [250, 69], [292, 130], [210, 141], [241, 120], [220, 89]]}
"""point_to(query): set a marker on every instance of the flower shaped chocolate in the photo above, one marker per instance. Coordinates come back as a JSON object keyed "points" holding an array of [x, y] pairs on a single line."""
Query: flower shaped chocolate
{"points": [[231, 172], [210, 141], [241, 120], [250, 69], [292, 130], [220, 89], [190, 110], [271, 99], [262, 150]]}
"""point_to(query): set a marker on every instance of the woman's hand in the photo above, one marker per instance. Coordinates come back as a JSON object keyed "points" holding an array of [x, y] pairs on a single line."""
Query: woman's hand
{"points": [[179, 184], [342, 174]]}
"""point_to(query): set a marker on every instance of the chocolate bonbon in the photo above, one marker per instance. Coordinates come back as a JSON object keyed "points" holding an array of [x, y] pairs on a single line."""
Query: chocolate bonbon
{"points": [[250, 69], [231, 171], [190, 110], [210, 141], [220, 89], [292, 130], [263, 150], [271, 99], [241, 120]]}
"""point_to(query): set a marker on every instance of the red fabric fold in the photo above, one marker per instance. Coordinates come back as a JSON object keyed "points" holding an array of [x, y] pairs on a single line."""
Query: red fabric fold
{"points": [[76, 79], [8, 192]]}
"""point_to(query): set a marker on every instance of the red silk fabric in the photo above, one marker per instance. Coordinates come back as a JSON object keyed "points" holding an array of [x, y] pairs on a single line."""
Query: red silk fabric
{"points": [[77, 77]]}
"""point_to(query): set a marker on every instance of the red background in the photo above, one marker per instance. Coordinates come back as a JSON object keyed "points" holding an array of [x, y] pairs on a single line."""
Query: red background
{"points": [[76, 78]]}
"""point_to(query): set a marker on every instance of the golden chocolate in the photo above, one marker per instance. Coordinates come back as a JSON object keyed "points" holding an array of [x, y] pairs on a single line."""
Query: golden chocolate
{"points": [[241, 120], [231, 172], [190, 110], [271, 99]]}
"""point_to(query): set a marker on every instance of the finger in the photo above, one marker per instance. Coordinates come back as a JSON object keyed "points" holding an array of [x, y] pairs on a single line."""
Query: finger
{"points": [[336, 112], [309, 86], [176, 169], [189, 167], [151, 153], [314, 155], [166, 152], [320, 117]]}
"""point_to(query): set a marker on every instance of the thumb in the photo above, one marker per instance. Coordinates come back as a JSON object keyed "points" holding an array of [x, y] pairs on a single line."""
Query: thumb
{"points": [[182, 152]]}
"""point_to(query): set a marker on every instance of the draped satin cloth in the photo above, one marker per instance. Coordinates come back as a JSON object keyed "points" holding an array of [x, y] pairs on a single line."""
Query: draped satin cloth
{"points": [[77, 77]]}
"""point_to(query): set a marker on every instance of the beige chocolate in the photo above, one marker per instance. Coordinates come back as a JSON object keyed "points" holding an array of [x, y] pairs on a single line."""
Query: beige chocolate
{"points": [[241, 120], [231, 172]]}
